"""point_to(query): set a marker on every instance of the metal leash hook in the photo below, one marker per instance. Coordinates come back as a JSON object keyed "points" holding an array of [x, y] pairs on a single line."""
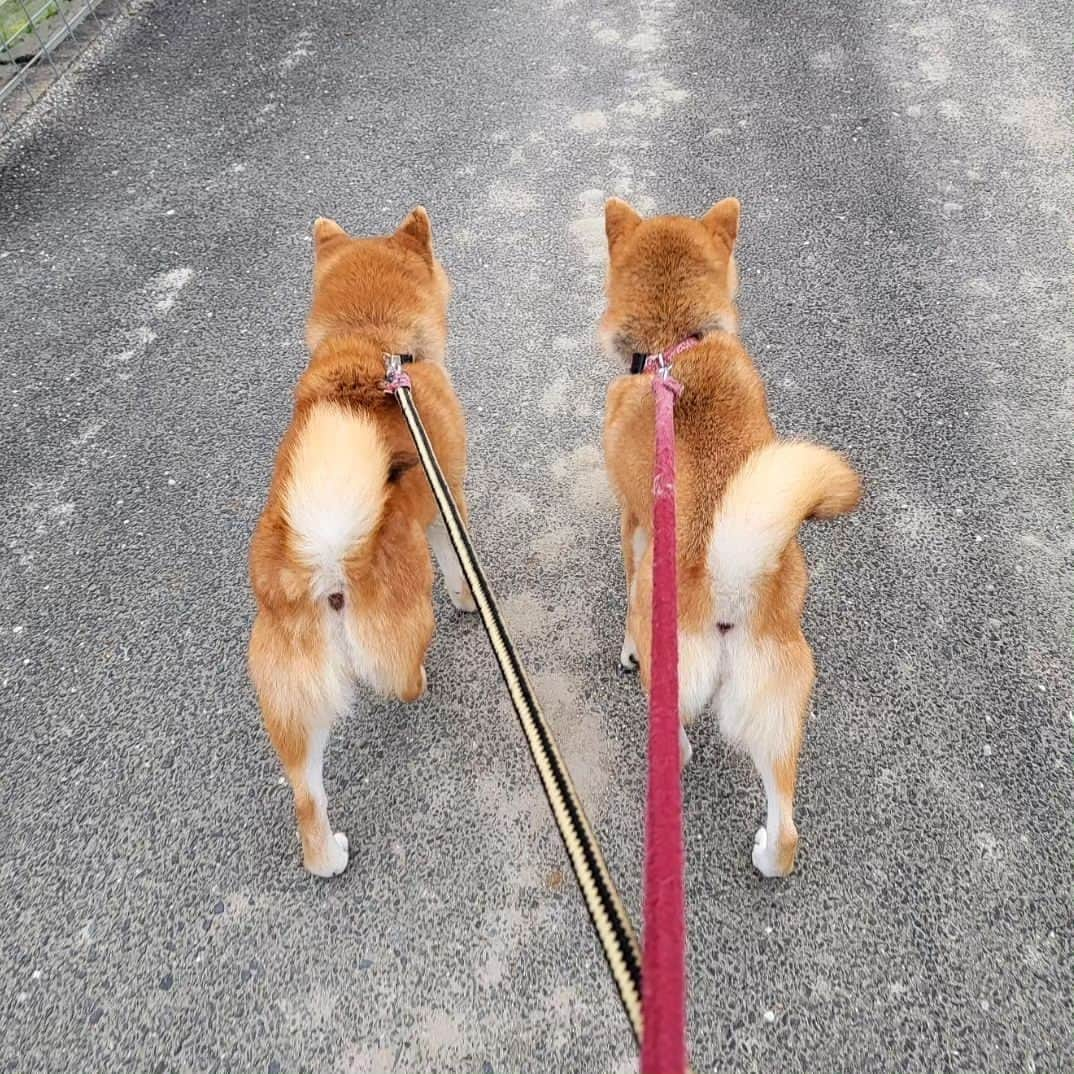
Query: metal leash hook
{"points": [[395, 376]]}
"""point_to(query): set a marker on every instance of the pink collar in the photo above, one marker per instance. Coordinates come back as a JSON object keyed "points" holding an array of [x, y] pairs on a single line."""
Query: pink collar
{"points": [[650, 363]]}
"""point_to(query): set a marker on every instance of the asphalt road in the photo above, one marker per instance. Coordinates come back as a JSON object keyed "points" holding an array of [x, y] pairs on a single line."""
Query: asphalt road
{"points": [[906, 265]]}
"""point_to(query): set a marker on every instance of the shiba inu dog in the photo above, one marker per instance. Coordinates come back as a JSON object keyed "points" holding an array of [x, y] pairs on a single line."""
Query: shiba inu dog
{"points": [[340, 561], [742, 495]]}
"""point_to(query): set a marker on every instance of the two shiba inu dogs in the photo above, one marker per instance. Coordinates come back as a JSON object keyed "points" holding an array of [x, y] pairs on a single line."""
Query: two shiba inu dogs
{"points": [[340, 560]]}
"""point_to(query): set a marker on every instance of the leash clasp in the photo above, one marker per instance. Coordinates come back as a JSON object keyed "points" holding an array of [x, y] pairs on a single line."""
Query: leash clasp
{"points": [[660, 366], [395, 377]]}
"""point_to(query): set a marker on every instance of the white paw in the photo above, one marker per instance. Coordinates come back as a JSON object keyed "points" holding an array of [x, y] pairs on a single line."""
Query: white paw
{"points": [[335, 858], [463, 599], [686, 751], [628, 657], [766, 859], [761, 858]]}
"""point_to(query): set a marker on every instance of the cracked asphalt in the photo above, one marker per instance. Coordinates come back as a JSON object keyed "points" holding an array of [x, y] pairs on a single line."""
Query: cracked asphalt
{"points": [[906, 263]]}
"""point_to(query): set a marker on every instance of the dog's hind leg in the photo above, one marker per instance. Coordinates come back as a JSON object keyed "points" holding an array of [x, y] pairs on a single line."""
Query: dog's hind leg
{"points": [[776, 843], [302, 688], [634, 540], [762, 709], [696, 675], [440, 542], [457, 586]]}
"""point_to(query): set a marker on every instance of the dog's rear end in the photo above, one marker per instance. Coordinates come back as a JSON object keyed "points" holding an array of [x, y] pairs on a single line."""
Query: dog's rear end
{"points": [[340, 561]]}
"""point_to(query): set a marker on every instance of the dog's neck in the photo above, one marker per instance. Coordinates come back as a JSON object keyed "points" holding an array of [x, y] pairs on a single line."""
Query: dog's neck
{"points": [[641, 361], [349, 366], [363, 342]]}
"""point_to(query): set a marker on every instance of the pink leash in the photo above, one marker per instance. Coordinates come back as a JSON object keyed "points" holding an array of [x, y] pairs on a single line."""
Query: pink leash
{"points": [[663, 1046]]}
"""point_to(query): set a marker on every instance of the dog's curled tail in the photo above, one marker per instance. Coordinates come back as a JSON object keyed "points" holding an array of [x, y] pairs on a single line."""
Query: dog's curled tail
{"points": [[334, 498], [777, 488]]}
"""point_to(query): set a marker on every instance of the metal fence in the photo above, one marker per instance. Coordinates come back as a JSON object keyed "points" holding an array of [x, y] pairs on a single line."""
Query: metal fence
{"points": [[39, 39]]}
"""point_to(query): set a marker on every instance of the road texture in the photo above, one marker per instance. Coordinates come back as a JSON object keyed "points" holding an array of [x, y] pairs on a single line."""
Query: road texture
{"points": [[906, 258]]}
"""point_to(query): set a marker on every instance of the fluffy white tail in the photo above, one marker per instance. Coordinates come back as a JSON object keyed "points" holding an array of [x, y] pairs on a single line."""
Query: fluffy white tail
{"points": [[776, 489], [336, 491]]}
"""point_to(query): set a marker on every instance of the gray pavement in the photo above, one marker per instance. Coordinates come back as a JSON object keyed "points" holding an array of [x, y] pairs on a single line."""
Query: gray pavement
{"points": [[906, 261]]}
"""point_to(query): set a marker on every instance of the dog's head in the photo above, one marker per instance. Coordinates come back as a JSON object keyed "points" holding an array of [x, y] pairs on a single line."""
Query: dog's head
{"points": [[379, 284], [669, 277]]}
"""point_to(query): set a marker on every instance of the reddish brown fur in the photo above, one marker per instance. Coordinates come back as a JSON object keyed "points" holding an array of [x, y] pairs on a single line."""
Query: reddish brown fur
{"points": [[670, 278], [371, 296]]}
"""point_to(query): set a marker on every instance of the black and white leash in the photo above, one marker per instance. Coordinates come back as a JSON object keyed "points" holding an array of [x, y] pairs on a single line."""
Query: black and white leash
{"points": [[606, 911]]}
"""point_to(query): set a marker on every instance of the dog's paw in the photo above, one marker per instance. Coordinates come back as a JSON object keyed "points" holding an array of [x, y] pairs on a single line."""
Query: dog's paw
{"points": [[628, 656], [417, 689], [761, 858], [334, 859], [686, 751], [772, 860], [463, 599]]}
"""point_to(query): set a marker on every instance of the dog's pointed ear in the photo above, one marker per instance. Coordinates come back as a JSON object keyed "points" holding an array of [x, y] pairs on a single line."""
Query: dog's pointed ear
{"points": [[620, 219], [722, 220], [416, 231], [399, 464], [324, 232]]}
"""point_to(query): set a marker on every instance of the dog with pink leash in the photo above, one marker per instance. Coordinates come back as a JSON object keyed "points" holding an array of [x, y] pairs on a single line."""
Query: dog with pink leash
{"points": [[741, 495]]}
